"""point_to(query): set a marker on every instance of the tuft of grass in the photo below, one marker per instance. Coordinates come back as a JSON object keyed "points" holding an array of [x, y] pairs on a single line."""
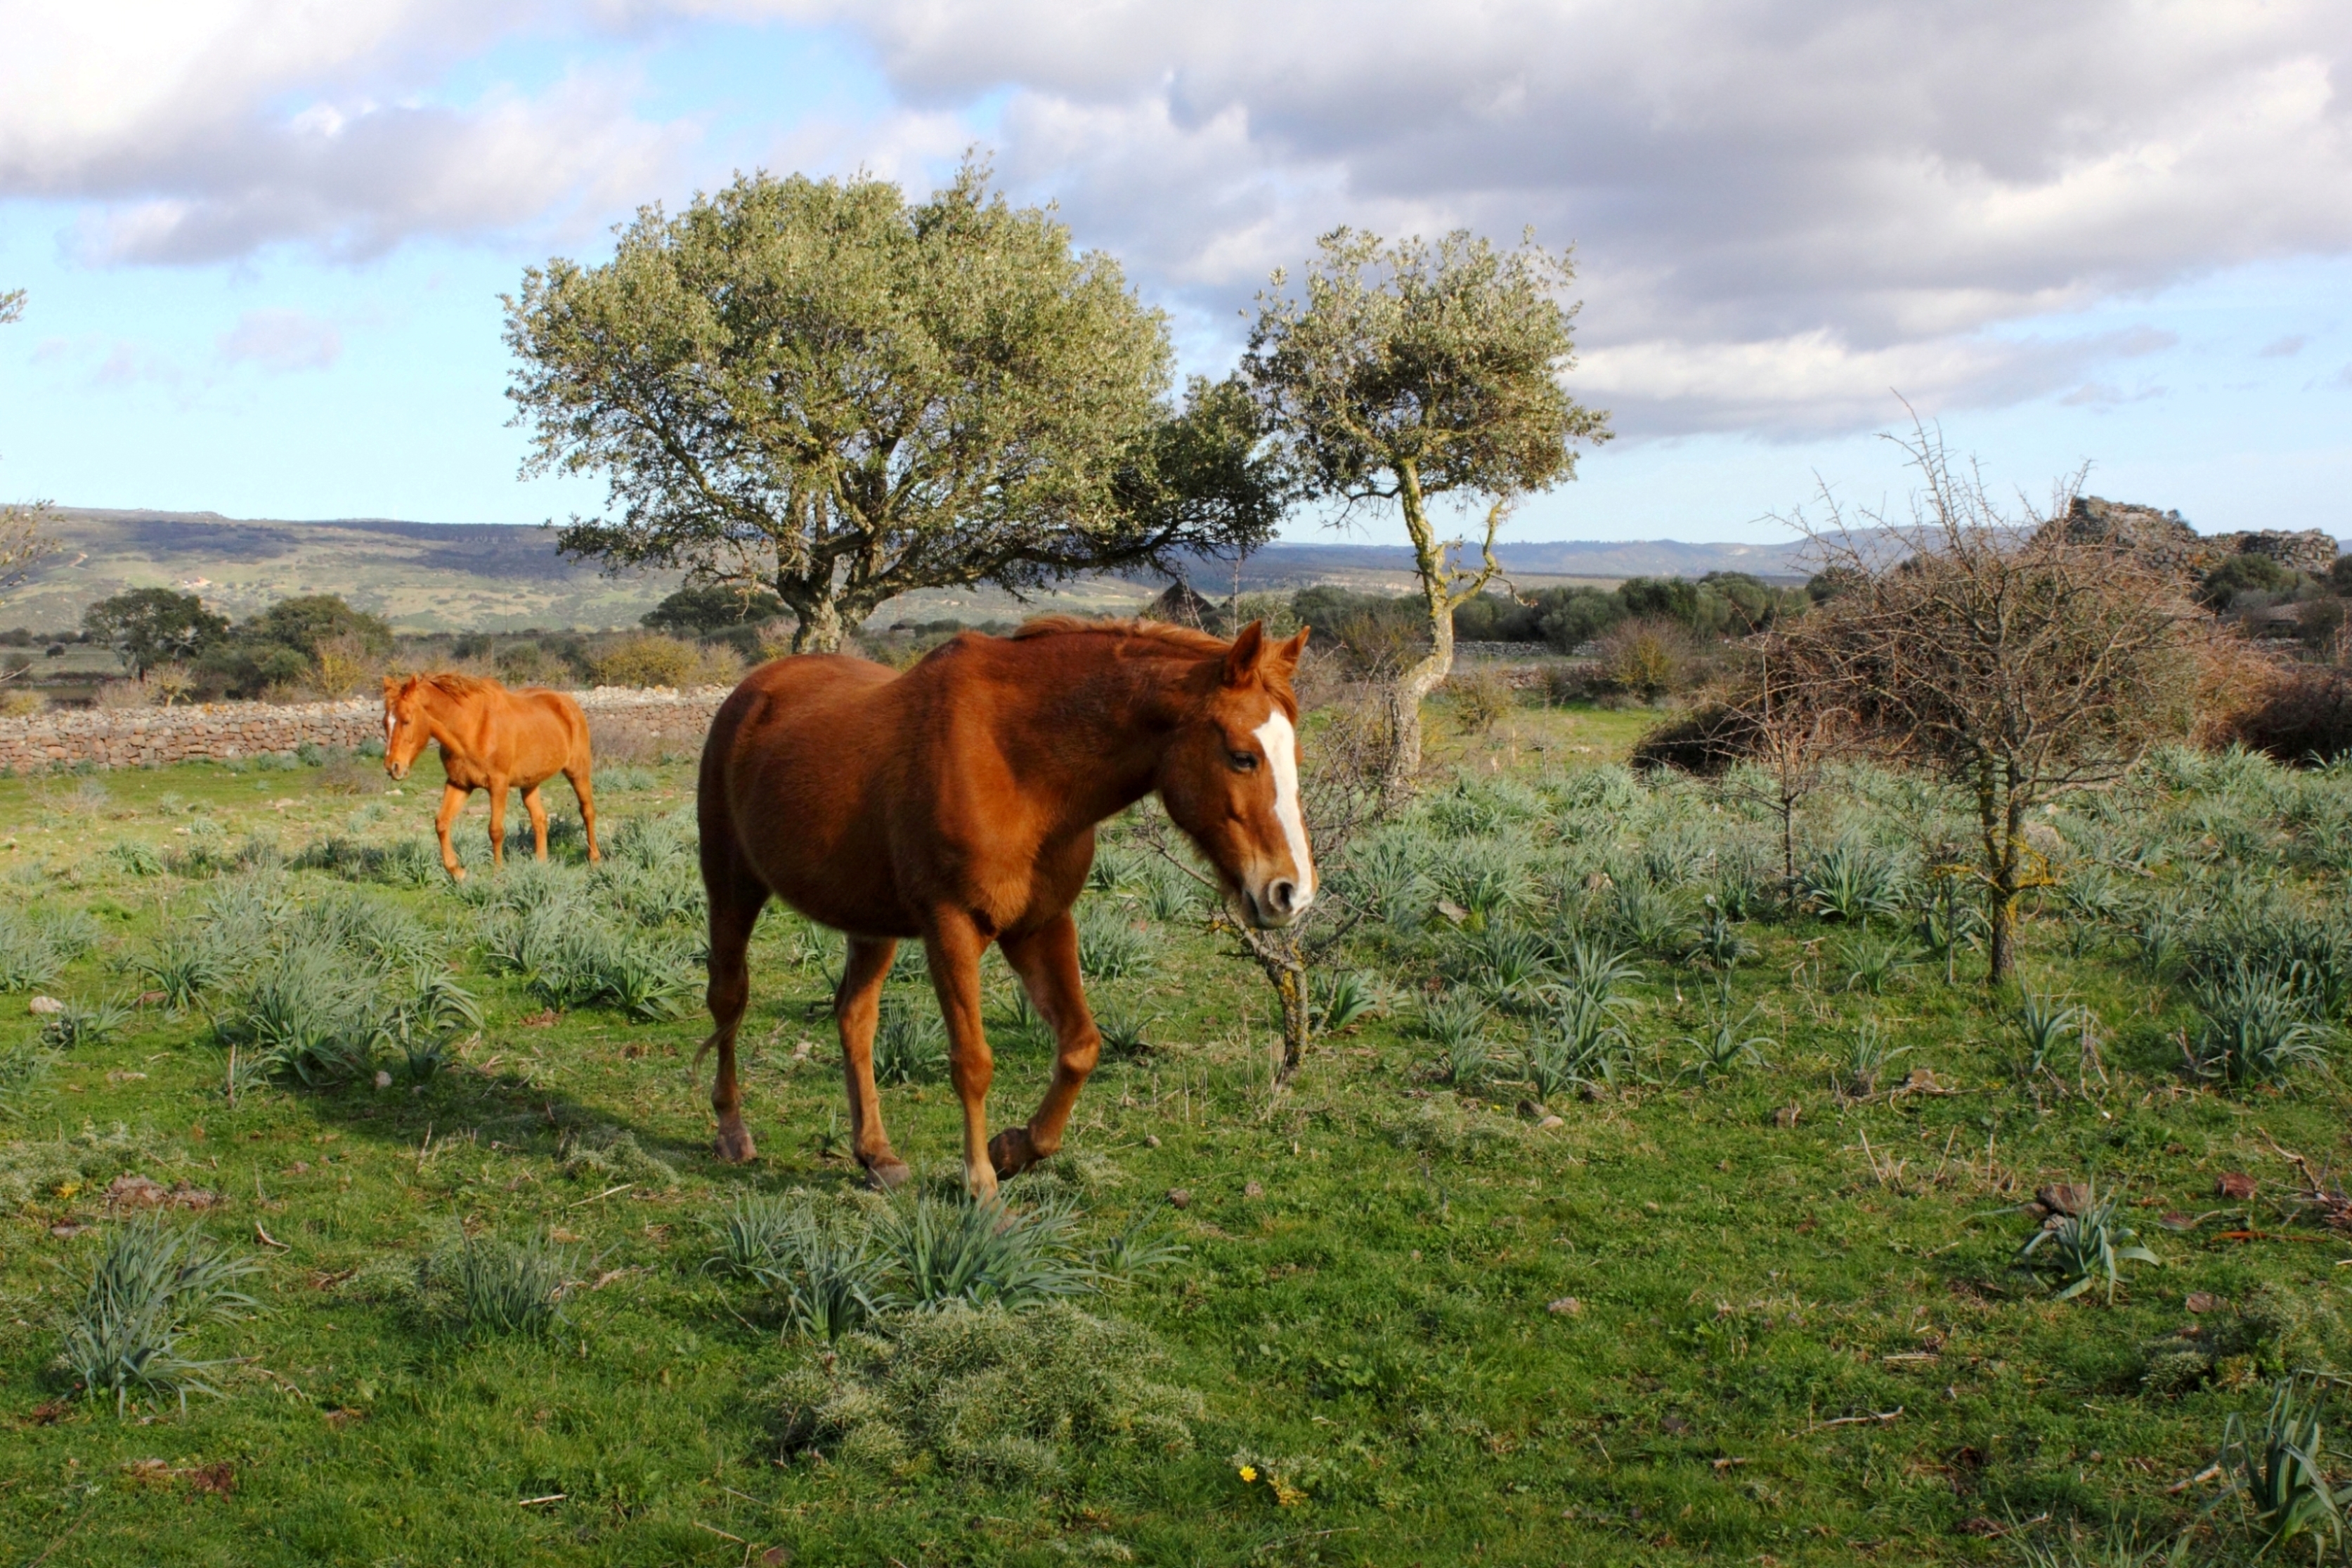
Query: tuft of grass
{"points": [[1454, 1016], [183, 962], [2255, 1031], [1585, 1047], [2090, 1248], [1123, 1033], [824, 1269], [1110, 945], [152, 1287], [1850, 882], [943, 1251], [1717, 943], [85, 1024], [1011, 1398], [1509, 967], [1340, 997], [492, 1286], [28, 957], [1872, 962], [1645, 919], [22, 1066], [2279, 1474], [909, 1044], [1722, 1048], [1867, 1061]]}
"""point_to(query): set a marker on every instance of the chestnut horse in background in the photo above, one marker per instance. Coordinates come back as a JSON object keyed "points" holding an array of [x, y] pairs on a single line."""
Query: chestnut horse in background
{"points": [[956, 803], [490, 738]]}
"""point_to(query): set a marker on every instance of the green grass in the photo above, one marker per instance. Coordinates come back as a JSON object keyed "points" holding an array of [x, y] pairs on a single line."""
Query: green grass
{"points": [[1395, 1321]]}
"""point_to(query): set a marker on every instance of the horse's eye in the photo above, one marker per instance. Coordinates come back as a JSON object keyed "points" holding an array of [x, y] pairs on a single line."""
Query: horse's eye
{"points": [[1243, 761]]}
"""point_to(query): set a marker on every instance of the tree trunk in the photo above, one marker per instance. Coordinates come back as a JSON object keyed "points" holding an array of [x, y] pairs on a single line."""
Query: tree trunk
{"points": [[1417, 680], [2002, 813], [820, 628], [1277, 954]]}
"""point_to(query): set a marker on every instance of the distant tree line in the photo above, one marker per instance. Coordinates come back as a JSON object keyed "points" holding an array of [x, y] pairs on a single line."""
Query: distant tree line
{"points": [[316, 641]]}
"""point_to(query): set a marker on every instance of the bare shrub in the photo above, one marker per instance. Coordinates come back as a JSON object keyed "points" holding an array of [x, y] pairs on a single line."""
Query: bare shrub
{"points": [[2020, 662], [343, 664], [1648, 658], [1481, 696], [120, 695]]}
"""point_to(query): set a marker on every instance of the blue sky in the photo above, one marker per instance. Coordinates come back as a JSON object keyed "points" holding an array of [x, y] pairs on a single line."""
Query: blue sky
{"points": [[263, 279]]}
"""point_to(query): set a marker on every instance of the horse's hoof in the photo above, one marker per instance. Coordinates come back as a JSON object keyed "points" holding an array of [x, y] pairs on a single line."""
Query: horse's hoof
{"points": [[1011, 1152], [458, 873], [887, 1175], [735, 1145]]}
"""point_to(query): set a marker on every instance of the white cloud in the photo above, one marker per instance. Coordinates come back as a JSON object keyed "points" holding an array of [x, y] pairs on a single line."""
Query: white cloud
{"points": [[282, 340], [206, 128], [1820, 192]]}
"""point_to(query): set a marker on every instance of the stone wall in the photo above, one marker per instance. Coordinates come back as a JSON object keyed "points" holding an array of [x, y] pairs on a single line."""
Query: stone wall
{"points": [[134, 737]]}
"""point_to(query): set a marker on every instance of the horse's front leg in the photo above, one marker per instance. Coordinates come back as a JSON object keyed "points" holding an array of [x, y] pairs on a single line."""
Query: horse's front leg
{"points": [[1046, 959], [453, 800], [953, 946], [498, 788]]}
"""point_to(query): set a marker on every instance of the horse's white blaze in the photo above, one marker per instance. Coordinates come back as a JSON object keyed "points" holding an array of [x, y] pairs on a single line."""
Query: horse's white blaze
{"points": [[391, 724], [1280, 743]]}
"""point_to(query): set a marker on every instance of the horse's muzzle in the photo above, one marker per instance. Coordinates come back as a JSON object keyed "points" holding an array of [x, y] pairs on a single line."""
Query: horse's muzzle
{"points": [[1276, 903]]}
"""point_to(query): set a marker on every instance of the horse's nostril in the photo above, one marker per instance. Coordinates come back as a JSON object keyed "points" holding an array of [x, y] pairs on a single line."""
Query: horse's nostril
{"points": [[1283, 894]]}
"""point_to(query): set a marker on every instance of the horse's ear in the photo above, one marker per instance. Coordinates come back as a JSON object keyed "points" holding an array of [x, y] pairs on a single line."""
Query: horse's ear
{"points": [[1241, 658], [391, 686], [1281, 658]]}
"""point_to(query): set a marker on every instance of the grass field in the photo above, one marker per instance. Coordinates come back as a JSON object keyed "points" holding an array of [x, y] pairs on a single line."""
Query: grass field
{"points": [[1752, 1297]]}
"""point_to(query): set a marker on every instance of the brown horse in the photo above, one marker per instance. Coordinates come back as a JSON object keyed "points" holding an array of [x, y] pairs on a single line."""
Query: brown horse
{"points": [[957, 803], [490, 738]]}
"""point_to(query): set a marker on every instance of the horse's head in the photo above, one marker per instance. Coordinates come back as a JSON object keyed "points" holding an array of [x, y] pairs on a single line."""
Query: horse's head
{"points": [[404, 733], [1230, 778]]}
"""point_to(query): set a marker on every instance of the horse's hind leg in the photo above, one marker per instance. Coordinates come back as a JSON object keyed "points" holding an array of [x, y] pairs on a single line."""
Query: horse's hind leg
{"points": [[857, 1007], [736, 898], [1046, 959], [538, 810], [587, 794]]}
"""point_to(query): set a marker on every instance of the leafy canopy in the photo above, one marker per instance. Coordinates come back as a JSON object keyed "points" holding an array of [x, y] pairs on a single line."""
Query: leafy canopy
{"points": [[821, 387], [152, 626]]}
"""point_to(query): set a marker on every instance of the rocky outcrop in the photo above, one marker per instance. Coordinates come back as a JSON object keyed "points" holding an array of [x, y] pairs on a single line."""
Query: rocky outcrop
{"points": [[2165, 541]]}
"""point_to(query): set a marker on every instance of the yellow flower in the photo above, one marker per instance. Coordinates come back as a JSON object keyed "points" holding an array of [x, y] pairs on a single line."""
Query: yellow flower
{"points": [[1249, 1473]]}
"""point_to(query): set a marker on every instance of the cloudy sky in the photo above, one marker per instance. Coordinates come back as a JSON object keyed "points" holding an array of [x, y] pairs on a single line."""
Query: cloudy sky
{"points": [[264, 239]]}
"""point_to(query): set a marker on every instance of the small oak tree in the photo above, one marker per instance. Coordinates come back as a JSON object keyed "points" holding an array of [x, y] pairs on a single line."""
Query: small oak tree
{"points": [[823, 389], [2020, 662], [1412, 371]]}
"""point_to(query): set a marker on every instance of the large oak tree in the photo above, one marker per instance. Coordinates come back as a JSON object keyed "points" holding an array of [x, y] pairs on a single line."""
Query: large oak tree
{"points": [[823, 389]]}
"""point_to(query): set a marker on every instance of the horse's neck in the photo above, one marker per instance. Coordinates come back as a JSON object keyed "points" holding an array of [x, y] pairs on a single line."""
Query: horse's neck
{"points": [[1112, 741], [442, 713]]}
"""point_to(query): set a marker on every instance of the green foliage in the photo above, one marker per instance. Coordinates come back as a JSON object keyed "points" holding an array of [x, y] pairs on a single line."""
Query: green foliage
{"points": [[1721, 1048], [1342, 998], [787, 338], [1019, 1399], [85, 1023], [2089, 1247], [22, 1066], [27, 957], [1872, 962], [1584, 1047], [152, 1286], [1867, 1061], [152, 626], [1645, 919], [2047, 1025], [705, 609]]}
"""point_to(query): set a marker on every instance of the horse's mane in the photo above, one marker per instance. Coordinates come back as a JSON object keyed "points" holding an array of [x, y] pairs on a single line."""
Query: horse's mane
{"points": [[1181, 637], [450, 683]]}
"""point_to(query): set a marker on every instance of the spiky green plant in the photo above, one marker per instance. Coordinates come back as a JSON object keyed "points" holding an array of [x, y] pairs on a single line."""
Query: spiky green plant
{"points": [[1583, 1046], [182, 962], [1140, 1245], [2046, 1025], [1872, 962], [2089, 1247], [1122, 1033], [909, 1044], [942, 1250], [1453, 1015], [1486, 877], [154, 1286], [26, 958], [1645, 919], [2256, 1030], [1593, 969], [1868, 1059], [1383, 879], [1340, 997], [1850, 882], [822, 1269], [2280, 1474], [1717, 943], [1722, 1048], [85, 1023], [1508, 965], [496, 1286], [1109, 947]]}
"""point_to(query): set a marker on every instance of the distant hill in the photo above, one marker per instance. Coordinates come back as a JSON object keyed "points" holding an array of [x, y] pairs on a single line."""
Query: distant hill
{"points": [[493, 577]]}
